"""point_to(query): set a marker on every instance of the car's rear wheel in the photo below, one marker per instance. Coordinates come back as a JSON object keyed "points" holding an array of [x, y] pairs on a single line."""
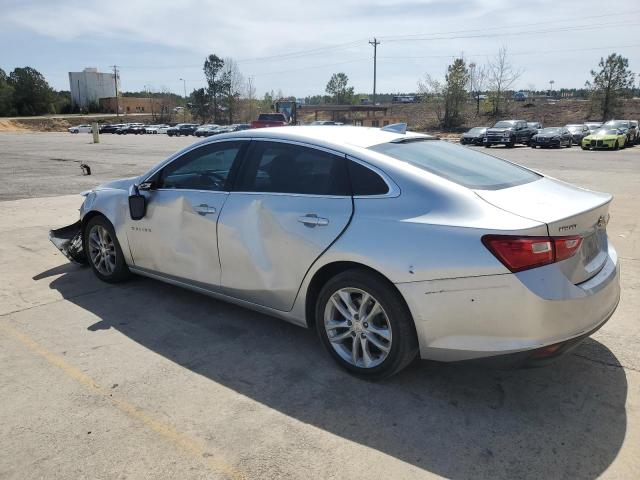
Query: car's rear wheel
{"points": [[103, 251], [616, 146], [365, 325]]}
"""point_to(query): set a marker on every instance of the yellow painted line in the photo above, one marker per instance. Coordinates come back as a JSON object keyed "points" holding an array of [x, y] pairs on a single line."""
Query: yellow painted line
{"points": [[169, 433]]}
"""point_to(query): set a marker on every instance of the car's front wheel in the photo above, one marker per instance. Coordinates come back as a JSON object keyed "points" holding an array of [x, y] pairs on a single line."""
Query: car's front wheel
{"points": [[365, 325], [103, 251]]}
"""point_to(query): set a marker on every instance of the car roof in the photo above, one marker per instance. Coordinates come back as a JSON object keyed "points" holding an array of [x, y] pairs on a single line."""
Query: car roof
{"points": [[363, 137]]}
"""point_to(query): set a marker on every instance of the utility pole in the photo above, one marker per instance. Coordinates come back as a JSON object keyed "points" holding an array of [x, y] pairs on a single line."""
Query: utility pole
{"points": [[115, 82], [375, 44], [147, 90], [184, 110], [250, 92]]}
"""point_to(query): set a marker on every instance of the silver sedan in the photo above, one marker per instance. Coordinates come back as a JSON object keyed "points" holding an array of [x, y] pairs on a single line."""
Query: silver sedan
{"points": [[392, 245]]}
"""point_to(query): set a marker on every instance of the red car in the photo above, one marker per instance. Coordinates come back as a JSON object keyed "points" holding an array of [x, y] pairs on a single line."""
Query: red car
{"points": [[270, 120]]}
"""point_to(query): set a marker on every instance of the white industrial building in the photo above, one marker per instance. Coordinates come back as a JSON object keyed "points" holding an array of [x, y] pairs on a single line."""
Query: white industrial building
{"points": [[89, 86]]}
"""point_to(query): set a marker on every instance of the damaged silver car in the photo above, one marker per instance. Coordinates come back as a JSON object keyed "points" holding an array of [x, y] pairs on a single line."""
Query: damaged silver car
{"points": [[392, 245]]}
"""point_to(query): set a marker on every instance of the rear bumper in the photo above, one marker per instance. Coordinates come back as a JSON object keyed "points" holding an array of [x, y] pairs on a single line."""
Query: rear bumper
{"points": [[479, 317]]}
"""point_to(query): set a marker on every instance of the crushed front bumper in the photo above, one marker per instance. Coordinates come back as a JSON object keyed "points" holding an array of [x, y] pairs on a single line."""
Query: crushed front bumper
{"points": [[69, 241]]}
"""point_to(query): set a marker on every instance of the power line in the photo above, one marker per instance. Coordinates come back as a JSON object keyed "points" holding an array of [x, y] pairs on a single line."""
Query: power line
{"points": [[519, 33], [537, 52], [484, 29], [301, 53], [310, 67], [413, 37]]}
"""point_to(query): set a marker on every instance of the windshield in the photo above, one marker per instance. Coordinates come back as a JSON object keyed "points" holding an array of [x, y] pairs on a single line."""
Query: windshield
{"points": [[617, 124], [574, 128], [458, 164], [504, 124], [606, 131], [551, 130], [478, 130]]}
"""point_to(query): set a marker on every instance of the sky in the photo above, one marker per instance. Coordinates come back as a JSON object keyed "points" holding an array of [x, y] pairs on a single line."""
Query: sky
{"points": [[295, 46]]}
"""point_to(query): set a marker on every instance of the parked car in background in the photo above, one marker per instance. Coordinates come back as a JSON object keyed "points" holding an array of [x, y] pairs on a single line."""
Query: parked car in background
{"points": [[475, 136], [626, 127], [552, 137], [182, 129], [110, 127], [241, 126], [133, 129], [537, 126], [325, 122], [593, 126], [520, 96], [270, 120], [386, 243], [509, 132], [634, 125], [156, 129], [203, 129], [220, 129], [404, 99], [80, 129], [578, 132], [605, 138]]}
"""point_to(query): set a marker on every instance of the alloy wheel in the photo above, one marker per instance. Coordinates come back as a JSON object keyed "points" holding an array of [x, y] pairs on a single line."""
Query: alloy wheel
{"points": [[357, 327], [102, 250]]}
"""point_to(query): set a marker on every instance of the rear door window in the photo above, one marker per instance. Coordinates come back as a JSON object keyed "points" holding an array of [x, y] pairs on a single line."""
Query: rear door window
{"points": [[365, 181], [280, 167], [461, 165]]}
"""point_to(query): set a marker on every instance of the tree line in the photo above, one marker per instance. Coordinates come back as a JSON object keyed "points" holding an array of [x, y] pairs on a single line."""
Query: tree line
{"points": [[25, 91], [491, 85], [228, 96]]}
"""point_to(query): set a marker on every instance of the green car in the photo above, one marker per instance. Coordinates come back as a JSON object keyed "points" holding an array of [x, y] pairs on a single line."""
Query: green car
{"points": [[604, 138]]}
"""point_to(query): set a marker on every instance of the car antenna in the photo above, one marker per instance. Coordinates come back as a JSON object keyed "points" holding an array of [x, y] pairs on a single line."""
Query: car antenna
{"points": [[396, 128]]}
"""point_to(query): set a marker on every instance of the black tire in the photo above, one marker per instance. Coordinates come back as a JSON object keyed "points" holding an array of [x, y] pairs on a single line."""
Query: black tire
{"points": [[487, 145], [511, 144], [120, 272], [404, 344], [616, 147]]}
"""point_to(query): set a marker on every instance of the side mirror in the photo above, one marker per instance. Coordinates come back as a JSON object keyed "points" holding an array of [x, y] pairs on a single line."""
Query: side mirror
{"points": [[137, 203]]}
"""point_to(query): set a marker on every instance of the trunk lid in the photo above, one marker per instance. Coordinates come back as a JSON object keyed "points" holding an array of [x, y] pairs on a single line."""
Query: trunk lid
{"points": [[567, 210]]}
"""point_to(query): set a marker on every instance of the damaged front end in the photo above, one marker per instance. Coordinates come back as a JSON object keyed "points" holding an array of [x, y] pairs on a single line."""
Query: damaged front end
{"points": [[69, 241]]}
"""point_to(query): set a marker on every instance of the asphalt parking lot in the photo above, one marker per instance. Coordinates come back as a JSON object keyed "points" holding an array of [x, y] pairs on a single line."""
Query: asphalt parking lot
{"points": [[145, 380]]}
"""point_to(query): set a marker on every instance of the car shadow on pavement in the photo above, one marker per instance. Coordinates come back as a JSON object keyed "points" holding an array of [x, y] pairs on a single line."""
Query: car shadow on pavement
{"points": [[460, 421]]}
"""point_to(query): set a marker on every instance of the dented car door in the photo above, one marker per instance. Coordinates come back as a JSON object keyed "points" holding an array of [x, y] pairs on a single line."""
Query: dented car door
{"points": [[177, 236], [291, 202]]}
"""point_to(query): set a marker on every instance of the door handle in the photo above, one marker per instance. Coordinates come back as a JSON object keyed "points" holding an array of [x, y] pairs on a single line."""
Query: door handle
{"points": [[204, 209], [313, 220]]}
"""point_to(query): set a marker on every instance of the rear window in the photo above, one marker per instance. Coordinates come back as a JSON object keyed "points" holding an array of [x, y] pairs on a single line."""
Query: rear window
{"points": [[460, 165], [271, 117]]}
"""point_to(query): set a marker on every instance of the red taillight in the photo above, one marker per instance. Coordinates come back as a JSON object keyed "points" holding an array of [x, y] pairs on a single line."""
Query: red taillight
{"points": [[523, 253], [567, 246]]}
